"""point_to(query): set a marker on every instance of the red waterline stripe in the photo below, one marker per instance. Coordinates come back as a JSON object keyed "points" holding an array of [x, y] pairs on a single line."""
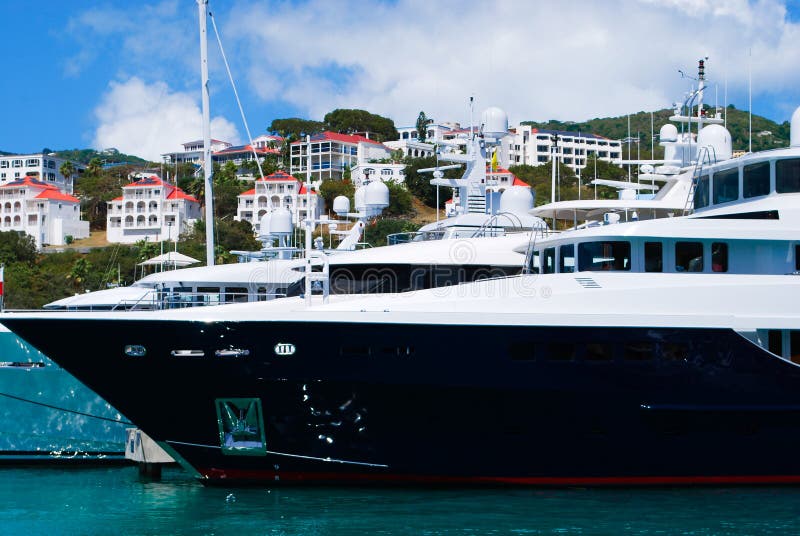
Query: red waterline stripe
{"points": [[272, 476]]}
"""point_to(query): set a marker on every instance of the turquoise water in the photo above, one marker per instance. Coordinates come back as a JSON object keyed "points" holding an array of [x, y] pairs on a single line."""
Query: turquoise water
{"points": [[28, 396], [115, 501]]}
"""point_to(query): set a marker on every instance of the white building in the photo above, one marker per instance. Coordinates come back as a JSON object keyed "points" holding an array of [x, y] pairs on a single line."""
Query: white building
{"points": [[150, 209], [41, 210], [44, 167], [370, 171], [193, 152], [533, 147], [332, 153], [275, 191], [412, 148]]}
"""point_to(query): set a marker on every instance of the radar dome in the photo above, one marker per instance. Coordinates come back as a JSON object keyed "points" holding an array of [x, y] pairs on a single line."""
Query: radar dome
{"points": [[281, 223], [668, 132], [718, 139], [495, 123], [794, 135], [376, 194], [264, 224], [516, 199], [341, 204], [359, 198]]}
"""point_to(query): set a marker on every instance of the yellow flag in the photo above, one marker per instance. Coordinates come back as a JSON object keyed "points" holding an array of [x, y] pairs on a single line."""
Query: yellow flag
{"points": [[494, 161]]}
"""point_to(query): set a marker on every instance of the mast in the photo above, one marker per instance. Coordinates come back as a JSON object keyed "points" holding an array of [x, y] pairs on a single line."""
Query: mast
{"points": [[202, 8]]}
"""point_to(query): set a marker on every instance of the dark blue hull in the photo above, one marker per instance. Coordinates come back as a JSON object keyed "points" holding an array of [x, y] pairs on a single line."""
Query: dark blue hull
{"points": [[393, 402]]}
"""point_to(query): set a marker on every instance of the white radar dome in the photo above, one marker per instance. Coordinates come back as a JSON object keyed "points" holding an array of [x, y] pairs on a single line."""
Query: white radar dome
{"points": [[359, 198], [495, 123], [516, 199], [264, 224], [718, 139], [281, 222], [668, 132], [376, 195], [341, 204], [794, 135]]}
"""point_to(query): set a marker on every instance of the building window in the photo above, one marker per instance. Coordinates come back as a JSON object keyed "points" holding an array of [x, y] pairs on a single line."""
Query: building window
{"points": [[726, 186], [32, 162], [688, 256], [653, 257], [611, 255], [756, 180], [719, 257], [4, 164], [787, 176], [16, 163]]}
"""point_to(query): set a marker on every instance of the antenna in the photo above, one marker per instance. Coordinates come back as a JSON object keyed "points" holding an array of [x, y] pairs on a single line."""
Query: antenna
{"points": [[202, 7], [750, 96], [471, 122]]}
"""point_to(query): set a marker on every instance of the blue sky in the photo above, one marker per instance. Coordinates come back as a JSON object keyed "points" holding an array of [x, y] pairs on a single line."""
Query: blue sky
{"points": [[125, 74]]}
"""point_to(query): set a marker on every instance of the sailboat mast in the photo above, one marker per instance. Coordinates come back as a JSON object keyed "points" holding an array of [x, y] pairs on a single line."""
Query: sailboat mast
{"points": [[202, 7]]}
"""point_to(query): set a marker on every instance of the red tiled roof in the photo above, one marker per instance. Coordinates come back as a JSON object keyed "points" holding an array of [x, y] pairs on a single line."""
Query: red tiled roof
{"points": [[177, 193], [29, 181], [246, 149], [120, 198], [303, 190], [56, 195], [520, 182], [335, 136], [148, 181], [251, 191], [278, 176]]}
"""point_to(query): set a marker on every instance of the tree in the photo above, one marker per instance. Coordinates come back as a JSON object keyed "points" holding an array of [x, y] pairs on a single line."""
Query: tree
{"points": [[331, 189], [67, 169], [400, 200], [348, 121], [16, 247], [422, 127], [96, 190], [295, 127], [420, 185], [94, 167]]}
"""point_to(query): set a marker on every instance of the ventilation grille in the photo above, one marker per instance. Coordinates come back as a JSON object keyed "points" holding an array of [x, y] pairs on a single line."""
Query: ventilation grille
{"points": [[587, 282]]}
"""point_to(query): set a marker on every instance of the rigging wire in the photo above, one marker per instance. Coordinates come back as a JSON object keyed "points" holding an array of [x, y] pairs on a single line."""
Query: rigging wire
{"points": [[65, 410]]}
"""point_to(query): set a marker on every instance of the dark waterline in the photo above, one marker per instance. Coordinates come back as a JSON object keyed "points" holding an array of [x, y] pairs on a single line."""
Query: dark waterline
{"points": [[52, 501]]}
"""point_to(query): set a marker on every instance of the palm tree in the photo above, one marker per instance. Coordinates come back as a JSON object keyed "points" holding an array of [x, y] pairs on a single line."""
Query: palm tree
{"points": [[94, 167], [67, 169]]}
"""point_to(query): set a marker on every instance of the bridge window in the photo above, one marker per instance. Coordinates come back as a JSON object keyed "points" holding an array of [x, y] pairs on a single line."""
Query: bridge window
{"points": [[787, 176], [653, 257], [599, 352], [534, 262], [566, 262], [719, 257], [549, 261], [688, 256], [561, 351], [638, 351], [594, 256], [797, 258], [726, 186], [756, 180], [701, 193]]}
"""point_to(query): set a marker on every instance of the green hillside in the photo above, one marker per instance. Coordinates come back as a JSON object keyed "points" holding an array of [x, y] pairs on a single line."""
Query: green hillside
{"points": [[109, 156], [617, 128]]}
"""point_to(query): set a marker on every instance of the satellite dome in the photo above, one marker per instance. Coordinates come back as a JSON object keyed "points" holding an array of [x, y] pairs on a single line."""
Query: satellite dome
{"points": [[359, 198], [668, 132], [516, 199], [718, 139], [376, 194], [281, 222], [794, 135], [341, 204], [495, 123], [264, 224]]}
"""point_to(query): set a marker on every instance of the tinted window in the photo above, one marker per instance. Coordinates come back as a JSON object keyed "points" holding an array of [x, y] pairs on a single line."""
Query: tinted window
{"points": [[566, 262], [719, 257], [549, 261], [653, 257], [599, 352], [672, 351], [594, 256], [756, 180], [561, 351], [794, 346], [797, 258], [534, 263], [775, 342], [787, 176], [638, 351], [726, 186], [688, 256], [701, 193]]}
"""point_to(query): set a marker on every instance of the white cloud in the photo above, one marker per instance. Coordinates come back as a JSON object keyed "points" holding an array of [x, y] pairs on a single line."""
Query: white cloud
{"points": [[538, 60], [147, 120]]}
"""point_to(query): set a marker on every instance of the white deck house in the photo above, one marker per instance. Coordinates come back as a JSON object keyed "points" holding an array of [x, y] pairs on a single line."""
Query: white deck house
{"points": [[277, 190], [150, 209], [44, 167], [332, 153], [41, 210]]}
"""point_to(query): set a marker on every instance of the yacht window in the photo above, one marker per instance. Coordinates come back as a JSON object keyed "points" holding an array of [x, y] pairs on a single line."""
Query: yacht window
{"points": [[533, 266], [755, 180], [775, 341], [599, 352], [674, 351], [701, 193], [726, 186], [638, 351], [549, 261], [719, 257], [566, 262], [594, 256], [653, 257], [688, 256], [797, 258], [208, 295], [235, 294], [559, 351], [787, 176], [794, 346]]}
